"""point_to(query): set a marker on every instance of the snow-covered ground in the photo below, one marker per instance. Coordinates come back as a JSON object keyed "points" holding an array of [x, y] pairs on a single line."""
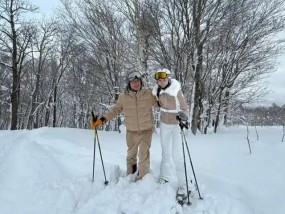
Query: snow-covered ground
{"points": [[49, 170]]}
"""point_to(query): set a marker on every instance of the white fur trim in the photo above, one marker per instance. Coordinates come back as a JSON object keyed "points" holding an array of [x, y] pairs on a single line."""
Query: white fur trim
{"points": [[173, 89]]}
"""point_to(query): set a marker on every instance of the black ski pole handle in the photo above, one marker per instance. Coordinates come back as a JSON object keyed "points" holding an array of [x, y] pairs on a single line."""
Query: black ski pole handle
{"points": [[94, 117]]}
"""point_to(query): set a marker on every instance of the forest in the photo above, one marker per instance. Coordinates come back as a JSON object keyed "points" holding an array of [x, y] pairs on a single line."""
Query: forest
{"points": [[55, 71]]}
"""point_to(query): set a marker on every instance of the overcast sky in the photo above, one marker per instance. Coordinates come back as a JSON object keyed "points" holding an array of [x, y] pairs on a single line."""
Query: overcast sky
{"points": [[276, 80], [277, 83], [46, 6]]}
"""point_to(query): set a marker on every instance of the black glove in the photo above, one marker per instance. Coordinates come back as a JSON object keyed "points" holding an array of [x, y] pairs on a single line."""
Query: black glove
{"points": [[180, 116]]}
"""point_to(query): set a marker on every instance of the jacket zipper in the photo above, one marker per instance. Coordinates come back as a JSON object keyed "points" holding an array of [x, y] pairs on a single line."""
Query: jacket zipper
{"points": [[137, 110]]}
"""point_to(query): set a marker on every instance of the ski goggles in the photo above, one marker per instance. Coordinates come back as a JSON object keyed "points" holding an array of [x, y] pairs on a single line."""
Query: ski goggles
{"points": [[134, 75], [160, 75]]}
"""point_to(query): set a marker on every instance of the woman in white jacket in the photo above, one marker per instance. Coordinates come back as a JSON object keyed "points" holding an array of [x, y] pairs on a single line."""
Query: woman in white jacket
{"points": [[171, 101]]}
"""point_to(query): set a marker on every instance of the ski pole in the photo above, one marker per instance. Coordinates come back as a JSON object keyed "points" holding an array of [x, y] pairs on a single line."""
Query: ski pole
{"points": [[183, 134], [96, 138], [185, 168], [106, 182], [94, 153]]}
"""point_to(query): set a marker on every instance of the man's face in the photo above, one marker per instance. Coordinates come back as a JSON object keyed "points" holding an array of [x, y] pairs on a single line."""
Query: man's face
{"points": [[135, 84]]}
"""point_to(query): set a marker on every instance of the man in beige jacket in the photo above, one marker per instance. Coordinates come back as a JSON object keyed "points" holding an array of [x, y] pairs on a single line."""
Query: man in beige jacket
{"points": [[136, 103]]}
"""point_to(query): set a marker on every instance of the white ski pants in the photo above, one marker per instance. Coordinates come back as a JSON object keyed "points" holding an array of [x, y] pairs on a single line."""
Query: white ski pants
{"points": [[171, 144]]}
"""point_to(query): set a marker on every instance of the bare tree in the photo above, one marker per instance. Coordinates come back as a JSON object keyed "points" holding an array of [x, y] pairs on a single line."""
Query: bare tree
{"points": [[142, 23], [248, 56], [14, 39], [172, 41], [4, 90], [220, 50], [101, 31], [42, 46]]}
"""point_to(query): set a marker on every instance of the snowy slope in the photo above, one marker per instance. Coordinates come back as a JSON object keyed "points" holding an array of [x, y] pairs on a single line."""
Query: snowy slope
{"points": [[49, 170]]}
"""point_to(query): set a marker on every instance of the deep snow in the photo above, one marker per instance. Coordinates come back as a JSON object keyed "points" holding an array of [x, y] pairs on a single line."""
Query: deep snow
{"points": [[49, 170]]}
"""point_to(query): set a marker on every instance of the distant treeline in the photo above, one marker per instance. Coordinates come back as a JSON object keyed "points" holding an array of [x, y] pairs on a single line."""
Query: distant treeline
{"points": [[261, 116]]}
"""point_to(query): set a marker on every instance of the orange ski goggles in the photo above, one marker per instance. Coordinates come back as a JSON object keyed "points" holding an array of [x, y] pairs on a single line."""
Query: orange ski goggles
{"points": [[160, 75]]}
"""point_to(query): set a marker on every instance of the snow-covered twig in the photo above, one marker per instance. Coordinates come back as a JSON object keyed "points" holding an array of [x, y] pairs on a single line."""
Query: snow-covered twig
{"points": [[283, 133], [247, 129], [257, 136]]}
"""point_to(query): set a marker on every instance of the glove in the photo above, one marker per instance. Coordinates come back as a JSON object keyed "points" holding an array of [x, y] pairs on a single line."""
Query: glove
{"points": [[96, 123], [181, 116]]}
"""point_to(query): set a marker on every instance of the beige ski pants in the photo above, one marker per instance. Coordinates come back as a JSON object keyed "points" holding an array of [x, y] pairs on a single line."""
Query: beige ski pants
{"points": [[138, 146]]}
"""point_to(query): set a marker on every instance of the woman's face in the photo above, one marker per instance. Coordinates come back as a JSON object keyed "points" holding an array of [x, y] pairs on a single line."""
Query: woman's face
{"points": [[162, 82]]}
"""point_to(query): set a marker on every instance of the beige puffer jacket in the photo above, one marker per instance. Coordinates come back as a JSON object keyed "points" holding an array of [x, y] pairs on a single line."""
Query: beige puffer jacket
{"points": [[171, 101], [137, 108]]}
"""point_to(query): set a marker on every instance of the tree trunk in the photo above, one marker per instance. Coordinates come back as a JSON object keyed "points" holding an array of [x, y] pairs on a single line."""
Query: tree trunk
{"points": [[217, 121], [34, 101], [197, 12], [15, 85], [195, 116], [54, 106], [226, 106]]}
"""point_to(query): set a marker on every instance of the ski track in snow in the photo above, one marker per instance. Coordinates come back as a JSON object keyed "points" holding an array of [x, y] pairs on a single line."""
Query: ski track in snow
{"points": [[60, 171]]}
